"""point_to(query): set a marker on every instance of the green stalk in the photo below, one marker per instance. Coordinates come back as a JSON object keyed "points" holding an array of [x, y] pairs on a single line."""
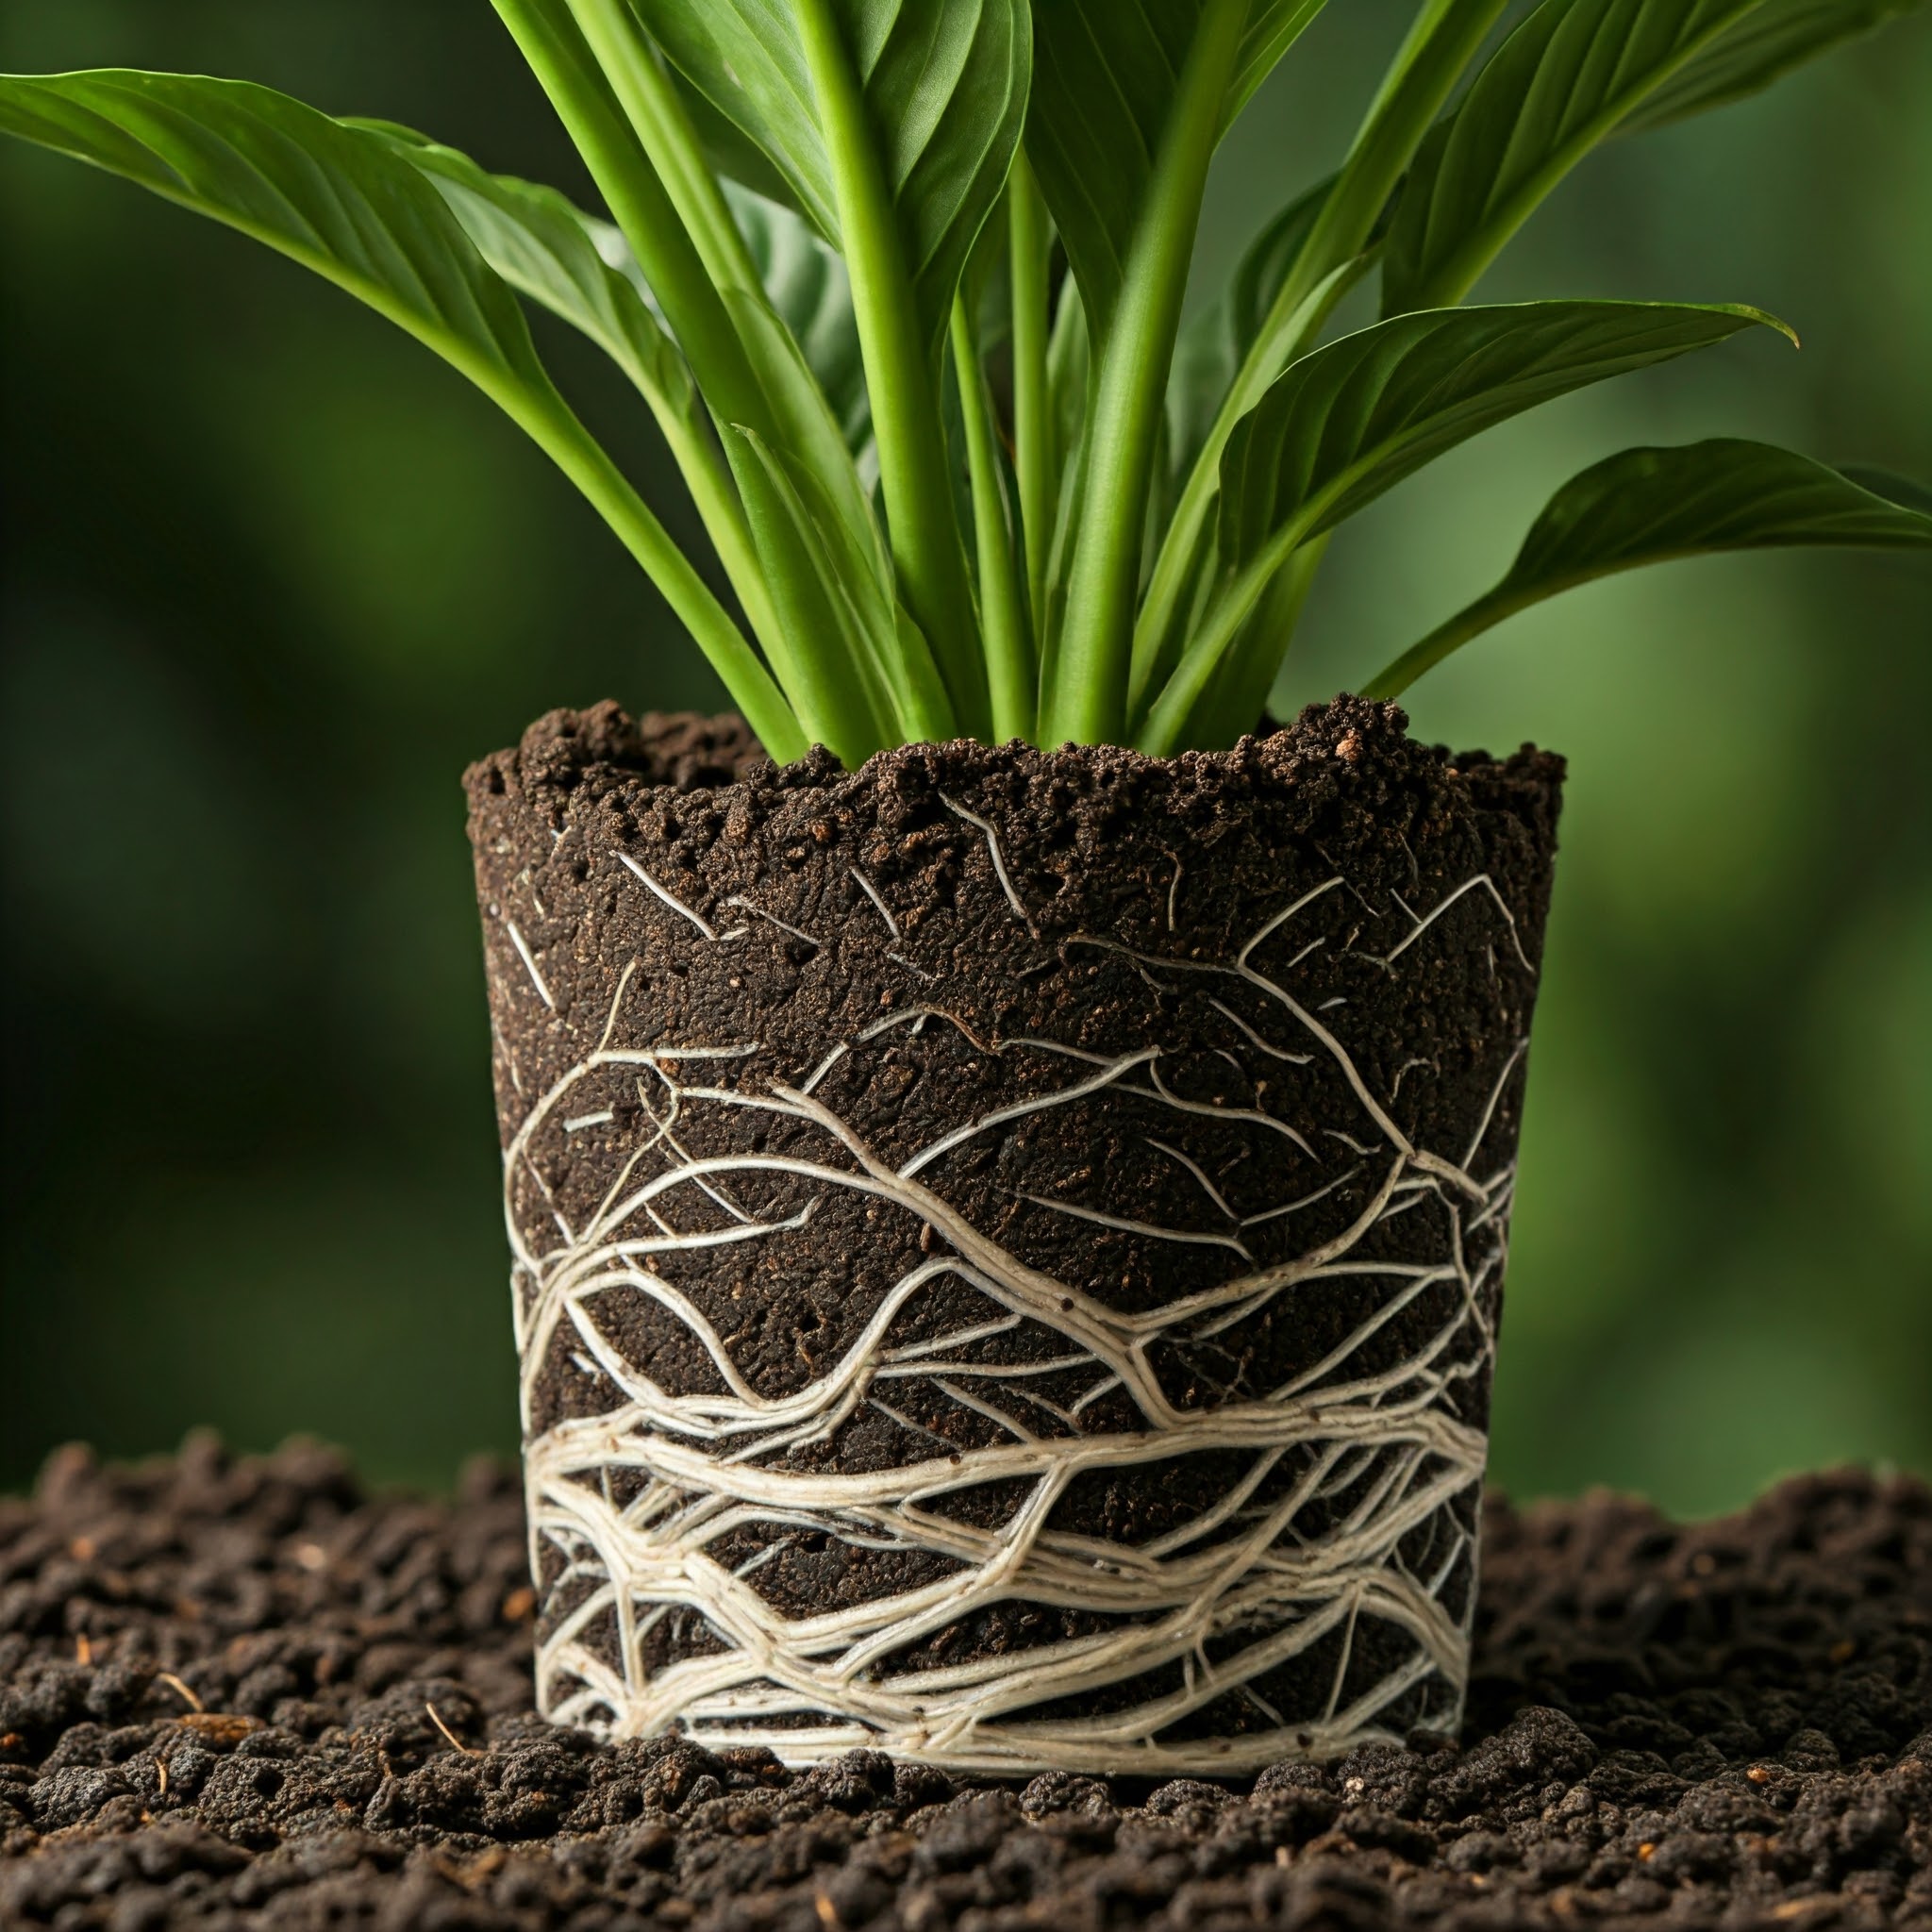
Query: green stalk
{"points": [[642, 210], [663, 126], [699, 318], [715, 497], [676, 275], [1176, 564], [927, 552], [1087, 698], [1447, 36], [906, 683], [1010, 670], [1238, 693], [550, 424], [1165, 732], [1031, 246]]}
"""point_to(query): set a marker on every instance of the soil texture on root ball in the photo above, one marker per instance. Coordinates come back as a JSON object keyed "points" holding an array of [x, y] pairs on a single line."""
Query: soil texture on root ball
{"points": [[1003, 1152], [246, 1693]]}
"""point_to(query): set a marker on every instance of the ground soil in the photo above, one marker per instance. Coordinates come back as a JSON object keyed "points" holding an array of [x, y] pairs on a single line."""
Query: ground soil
{"points": [[852, 896], [245, 1693]]}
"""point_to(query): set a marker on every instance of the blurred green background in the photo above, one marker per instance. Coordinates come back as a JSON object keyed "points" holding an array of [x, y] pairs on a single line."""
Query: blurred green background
{"points": [[272, 577]]}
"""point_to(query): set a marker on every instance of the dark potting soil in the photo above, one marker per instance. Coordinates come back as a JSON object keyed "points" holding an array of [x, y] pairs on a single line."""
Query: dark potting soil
{"points": [[1040, 909], [1184, 857], [245, 1693]]}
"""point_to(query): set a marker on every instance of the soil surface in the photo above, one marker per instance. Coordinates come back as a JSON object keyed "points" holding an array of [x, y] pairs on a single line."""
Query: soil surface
{"points": [[1329, 912], [245, 1693]]}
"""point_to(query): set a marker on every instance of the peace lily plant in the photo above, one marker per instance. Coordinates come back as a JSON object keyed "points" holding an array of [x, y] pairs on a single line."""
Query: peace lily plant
{"points": [[829, 219], [1006, 1264]]}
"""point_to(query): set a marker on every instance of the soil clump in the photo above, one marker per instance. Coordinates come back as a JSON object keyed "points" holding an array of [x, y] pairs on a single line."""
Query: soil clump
{"points": [[247, 1692]]}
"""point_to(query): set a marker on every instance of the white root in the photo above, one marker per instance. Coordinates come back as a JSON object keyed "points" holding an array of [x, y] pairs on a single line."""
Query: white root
{"points": [[1341, 1468]]}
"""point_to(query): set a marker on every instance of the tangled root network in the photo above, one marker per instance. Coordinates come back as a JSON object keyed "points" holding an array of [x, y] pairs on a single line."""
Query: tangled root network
{"points": [[1339, 1557]]}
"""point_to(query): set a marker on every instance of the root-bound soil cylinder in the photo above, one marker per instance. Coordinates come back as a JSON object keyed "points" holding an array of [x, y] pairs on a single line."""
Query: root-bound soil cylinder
{"points": [[1009, 1246]]}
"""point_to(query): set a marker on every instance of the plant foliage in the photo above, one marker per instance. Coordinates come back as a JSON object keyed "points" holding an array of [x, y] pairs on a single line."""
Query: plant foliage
{"points": [[900, 283]]}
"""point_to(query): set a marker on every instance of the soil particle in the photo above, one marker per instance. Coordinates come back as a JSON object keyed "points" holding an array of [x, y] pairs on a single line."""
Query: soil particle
{"points": [[1727, 1724]]}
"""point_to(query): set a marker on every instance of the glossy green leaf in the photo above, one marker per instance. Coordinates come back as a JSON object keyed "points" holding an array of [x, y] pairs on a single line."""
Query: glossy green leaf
{"points": [[335, 198], [1555, 88], [1304, 280], [1353, 419], [1770, 41], [1907, 491], [1274, 27], [1572, 75], [1650, 505], [577, 267], [347, 204], [944, 87], [581, 268]]}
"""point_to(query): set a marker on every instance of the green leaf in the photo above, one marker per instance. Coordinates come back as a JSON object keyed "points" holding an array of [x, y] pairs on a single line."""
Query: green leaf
{"points": [[347, 204], [1304, 283], [579, 268], [334, 199], [945, 86], [582, 269], [735, 156], [1780, 35], [1558, 86], [1649, 505], [1353, 419], [1575, 72], [1906, 492], [1106, 74]]}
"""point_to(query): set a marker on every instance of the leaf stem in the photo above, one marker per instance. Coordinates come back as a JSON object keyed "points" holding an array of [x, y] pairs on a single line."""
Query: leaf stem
{"points": [[1447, 36], [1238, 693], [1088, 699], [637, 202], [1031, 247], [921, 525], [551, 423], [1010, 670], [663, 126], [1167, 720], [1175, 565]]}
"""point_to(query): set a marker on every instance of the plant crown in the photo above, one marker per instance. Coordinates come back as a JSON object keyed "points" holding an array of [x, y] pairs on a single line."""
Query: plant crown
{"points": [[901, 282]]}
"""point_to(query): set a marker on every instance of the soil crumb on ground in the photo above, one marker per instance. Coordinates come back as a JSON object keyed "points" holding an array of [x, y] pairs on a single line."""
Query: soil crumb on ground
{"points": [[246, 1692]]}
